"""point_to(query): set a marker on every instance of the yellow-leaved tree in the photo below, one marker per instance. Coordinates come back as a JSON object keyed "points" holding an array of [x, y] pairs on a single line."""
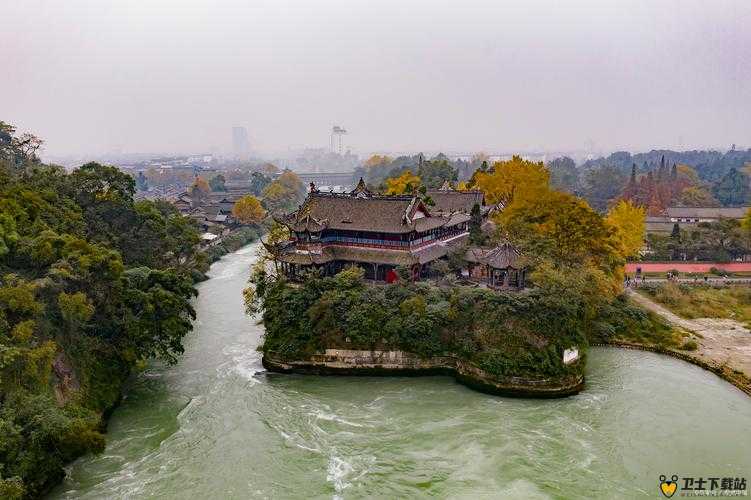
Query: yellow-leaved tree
{"points": [[376, 160], [200, 184], [562, 231], [248, 210], [404, 184], [284, 194], [628, 222], [507, 180]]}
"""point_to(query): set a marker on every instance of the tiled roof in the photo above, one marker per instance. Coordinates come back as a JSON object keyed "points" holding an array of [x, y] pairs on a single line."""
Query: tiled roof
{"points": [[455, 201], [503, 256], [427, 223], [440, 249], [707, 212], [386, 214]]}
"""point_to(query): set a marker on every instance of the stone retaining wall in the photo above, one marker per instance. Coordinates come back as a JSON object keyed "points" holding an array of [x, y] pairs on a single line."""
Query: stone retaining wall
{"points": [[400, 363]]}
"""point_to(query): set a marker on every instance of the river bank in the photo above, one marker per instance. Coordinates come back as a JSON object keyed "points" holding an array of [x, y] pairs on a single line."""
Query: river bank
{"points": [[739, 380], [723, 346], [400, 363], [106, 379]]}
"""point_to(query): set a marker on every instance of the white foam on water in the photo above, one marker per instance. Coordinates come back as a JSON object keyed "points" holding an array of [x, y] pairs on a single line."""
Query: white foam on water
{"points": [[247, 365], [343, 474], [184, 415], [231, 270], [334, 418], [294, 441], [248, 249], [336, 473], [243, 360], [230, 266]]}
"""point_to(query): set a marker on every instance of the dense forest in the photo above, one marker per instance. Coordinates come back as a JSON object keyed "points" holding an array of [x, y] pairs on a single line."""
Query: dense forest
{"points": [[709, 165], [661, 178], [92, 284], [653, 180]]}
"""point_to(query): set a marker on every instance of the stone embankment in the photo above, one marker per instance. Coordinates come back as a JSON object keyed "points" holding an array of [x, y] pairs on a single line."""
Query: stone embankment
{"points": [[724, 345], [400, 363]]}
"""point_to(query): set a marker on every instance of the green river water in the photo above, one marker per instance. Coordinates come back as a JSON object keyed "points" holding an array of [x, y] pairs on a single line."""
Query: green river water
{"points": [[217, 426]]}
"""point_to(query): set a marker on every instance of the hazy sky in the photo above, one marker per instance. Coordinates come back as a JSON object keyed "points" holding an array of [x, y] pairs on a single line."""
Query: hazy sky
{"points": [[175, 76]]}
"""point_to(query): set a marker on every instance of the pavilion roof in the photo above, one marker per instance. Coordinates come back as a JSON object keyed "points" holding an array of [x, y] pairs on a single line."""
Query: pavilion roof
{"points": [[503, 256], [448, 201], [362, 212]]}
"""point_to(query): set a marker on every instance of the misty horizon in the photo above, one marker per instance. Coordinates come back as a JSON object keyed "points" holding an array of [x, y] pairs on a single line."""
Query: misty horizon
{"points": [[175, 77]]}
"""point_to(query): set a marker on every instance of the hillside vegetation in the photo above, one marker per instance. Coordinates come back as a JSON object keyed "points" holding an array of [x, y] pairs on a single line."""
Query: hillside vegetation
{"points": [[505, 334], [92, 284]]}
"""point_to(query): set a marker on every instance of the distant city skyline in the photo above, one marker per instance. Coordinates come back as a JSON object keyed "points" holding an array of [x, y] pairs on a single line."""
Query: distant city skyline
{"points": [[585, 75], [240, 143]]}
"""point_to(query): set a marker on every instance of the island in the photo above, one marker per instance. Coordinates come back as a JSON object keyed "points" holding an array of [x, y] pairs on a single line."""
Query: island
{"points": [[361, 283]]}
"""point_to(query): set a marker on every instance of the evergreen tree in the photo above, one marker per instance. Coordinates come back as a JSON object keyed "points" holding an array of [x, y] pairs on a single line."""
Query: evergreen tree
{"points": [[142, 184], [216, 183], [732, 189], [631, 188], [676, 233], [475, 225]]}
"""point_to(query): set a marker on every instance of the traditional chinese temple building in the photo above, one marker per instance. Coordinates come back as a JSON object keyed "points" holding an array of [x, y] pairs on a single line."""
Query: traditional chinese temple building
{"points": [[499, 267], [377, 233]]}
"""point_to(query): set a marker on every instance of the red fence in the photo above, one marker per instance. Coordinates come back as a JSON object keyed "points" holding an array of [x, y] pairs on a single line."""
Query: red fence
{"points": [[688, 267]]}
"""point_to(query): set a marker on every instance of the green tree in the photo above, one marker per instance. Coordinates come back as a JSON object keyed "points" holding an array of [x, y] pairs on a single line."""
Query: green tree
{"points": [[676, 232], [258, 183], [157, 313], [8, 233], [696, 196], [732, 189], [142, 183], [75, 308], [476, 236], [217, 183], [284, 194], [91, 280], [564, 175], [603, 185], [435, 172], [94, 183]]}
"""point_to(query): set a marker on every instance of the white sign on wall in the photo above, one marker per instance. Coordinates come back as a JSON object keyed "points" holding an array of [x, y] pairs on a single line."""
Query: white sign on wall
{"points": [[570, 355]]}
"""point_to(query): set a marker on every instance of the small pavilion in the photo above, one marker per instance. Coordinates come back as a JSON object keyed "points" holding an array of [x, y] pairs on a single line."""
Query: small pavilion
{"points": [[499, 267]]}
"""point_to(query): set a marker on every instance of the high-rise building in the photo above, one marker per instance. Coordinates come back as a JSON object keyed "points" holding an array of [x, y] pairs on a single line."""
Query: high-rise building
{"points": [[240, 143]]}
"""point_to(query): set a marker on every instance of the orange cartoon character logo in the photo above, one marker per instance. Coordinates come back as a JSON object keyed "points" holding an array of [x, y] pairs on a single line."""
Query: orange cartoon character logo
{"points": [[668, 488]]}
